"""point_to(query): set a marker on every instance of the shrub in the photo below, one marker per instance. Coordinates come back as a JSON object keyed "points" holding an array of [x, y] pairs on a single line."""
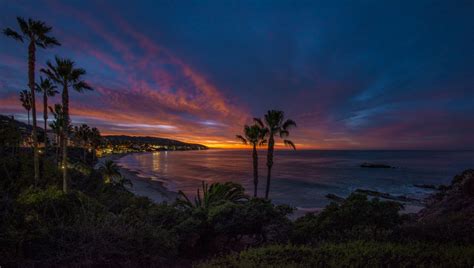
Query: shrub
{"points": [[352, 254], [227, 225], [53, 228], [355, 218]]}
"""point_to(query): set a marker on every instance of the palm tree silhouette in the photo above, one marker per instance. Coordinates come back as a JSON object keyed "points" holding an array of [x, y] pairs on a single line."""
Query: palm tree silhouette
{"points": [[57, 126], [25, 98], [83, 135], [95, 141], [65, 74], [275, 124], [111, 173], [36, 34], [255, 136], [48, 89], [214, 194]]}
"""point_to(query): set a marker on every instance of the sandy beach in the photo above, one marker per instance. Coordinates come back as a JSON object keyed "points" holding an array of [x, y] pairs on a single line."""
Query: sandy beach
{"points": [[142, 186]]}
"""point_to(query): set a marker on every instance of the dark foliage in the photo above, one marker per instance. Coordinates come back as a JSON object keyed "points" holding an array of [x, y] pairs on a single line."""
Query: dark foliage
{"points": [[352, 254], [355, 218]]}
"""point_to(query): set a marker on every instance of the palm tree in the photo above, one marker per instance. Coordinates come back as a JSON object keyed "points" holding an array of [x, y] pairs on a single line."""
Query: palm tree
{"points": [[49, 90], [57, 126], [111, 173], [275, 124], [36, 34], [65, 74], [95, 141], [212, 195], [83, 134], [255, 136], [25, 98]]}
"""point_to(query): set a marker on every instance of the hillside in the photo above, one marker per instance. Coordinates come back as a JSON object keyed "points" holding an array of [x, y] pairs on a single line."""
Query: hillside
{"points": [[150, 143]]}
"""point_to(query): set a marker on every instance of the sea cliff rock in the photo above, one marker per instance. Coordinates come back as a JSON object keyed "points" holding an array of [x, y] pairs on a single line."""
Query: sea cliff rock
{"points": [[454, 200]]}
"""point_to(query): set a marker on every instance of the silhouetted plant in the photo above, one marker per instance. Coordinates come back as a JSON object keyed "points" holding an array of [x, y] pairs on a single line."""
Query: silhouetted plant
{"points": [[26, 102], [58, 125], [95, 140], [255, 136], [82, 135], [111, 173], [65, 74], [275, 124], [213, 194], [48, 89], [36, 34]]}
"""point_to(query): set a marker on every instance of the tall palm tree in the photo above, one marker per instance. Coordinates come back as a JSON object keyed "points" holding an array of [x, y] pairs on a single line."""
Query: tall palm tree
{"points": [[255, 136], [48, 89], [275, 124], [65, 74], [25, 98], [36, 34]]}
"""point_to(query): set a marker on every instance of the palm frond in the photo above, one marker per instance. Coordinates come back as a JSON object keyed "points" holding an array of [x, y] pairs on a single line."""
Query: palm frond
{"points": [[11, 33], [24, 26], [242, 139], [50, 41], [289, 143], [284, 134], [81, 86], [259, 122], [288, 124]]}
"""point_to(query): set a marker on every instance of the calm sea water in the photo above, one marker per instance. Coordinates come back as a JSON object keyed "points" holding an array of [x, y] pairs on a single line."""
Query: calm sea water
{"points": [[303, 178]]}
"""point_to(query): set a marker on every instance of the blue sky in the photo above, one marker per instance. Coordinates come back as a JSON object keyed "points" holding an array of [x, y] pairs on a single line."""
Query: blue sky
{"points": [[352, 74]]}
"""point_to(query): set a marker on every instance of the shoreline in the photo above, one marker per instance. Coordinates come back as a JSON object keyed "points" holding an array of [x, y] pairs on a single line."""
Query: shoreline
{"points": [[142, 186], [158, 193]]}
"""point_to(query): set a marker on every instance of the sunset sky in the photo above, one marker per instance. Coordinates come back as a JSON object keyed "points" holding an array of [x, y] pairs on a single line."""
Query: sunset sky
{"points": [[352, 74]]}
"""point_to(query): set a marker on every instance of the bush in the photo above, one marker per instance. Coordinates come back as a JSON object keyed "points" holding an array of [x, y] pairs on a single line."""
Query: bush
{"points": [[53, 228], [456, 227], [353, 254], [356, 218], [228, 226]]}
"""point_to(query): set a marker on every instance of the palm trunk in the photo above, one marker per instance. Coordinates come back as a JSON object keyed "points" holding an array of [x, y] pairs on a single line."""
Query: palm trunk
{"points": [[45, 117], [31, 83], [65, 99], [255, 170], [271, 143], [28, 113], [58, 147]]}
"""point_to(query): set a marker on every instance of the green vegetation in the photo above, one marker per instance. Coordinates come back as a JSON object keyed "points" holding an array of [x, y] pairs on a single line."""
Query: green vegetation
{"points": [[357, 217], [101, 223], [351, 254]]}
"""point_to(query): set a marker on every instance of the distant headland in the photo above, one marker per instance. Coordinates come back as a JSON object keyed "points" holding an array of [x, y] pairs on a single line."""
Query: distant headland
{"points": [[129, 144]]}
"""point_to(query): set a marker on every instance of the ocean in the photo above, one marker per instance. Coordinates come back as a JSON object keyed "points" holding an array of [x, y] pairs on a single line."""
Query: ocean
{"points": [[303, 178]]}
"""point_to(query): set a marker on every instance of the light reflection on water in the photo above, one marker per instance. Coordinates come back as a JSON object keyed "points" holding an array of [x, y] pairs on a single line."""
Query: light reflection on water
{"points": [[303, 178]]}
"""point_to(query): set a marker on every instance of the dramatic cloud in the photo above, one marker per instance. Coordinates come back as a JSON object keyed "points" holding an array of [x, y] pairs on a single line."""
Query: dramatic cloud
{"points": [[353, 75]]}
